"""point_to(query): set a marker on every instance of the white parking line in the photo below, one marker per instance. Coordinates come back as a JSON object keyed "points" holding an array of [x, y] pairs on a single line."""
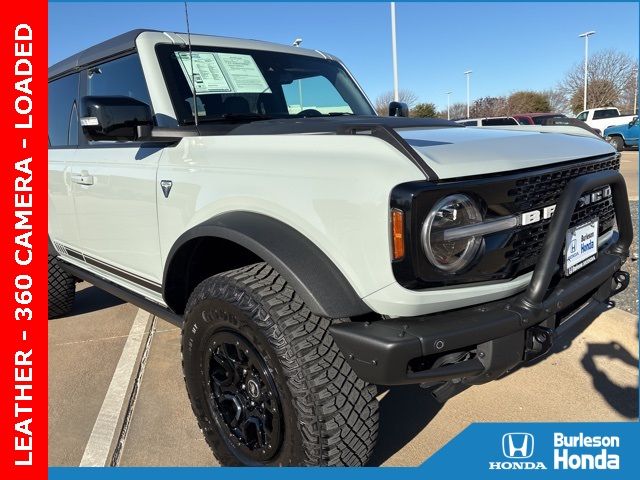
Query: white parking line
{"points": [[104, 430]]}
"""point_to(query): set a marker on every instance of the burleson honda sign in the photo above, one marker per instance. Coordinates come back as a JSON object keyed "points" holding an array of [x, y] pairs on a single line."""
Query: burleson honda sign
{"points": [[570, 452]]}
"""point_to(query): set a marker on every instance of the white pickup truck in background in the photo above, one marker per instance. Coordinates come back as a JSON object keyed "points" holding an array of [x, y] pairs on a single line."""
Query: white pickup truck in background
{"points": [[601, 118]]}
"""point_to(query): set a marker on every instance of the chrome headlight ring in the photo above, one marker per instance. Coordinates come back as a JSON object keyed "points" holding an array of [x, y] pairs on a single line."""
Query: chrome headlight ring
{"points": [[452, 253]]}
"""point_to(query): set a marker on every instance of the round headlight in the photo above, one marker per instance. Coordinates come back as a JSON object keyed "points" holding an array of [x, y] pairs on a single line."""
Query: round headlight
{"points": [[451, 251]]}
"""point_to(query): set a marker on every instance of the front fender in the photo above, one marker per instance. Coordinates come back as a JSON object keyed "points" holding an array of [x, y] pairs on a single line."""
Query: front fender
{"points": [[304, 266]]}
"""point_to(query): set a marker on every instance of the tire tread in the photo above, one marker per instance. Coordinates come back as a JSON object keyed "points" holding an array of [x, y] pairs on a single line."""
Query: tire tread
{"points": [[61, 289], [337, 411]]}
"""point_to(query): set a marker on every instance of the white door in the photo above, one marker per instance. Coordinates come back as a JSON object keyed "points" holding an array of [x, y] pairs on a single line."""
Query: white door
{"points": [[114, 187]]}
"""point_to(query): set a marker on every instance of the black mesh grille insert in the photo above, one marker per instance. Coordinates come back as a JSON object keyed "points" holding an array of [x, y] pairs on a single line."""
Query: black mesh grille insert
{"points": [[539, 191]]}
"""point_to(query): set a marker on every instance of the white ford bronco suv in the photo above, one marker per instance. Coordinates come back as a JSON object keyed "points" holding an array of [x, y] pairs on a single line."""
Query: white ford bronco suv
{"points": [[310, 249]]}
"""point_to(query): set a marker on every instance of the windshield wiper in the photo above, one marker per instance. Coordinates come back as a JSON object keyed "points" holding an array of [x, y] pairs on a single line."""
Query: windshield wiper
{"points": [[338, 114]]}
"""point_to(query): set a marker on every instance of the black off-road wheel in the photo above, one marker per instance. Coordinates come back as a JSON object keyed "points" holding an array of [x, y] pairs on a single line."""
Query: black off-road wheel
{"points": [[62, 289], [266, 381]]}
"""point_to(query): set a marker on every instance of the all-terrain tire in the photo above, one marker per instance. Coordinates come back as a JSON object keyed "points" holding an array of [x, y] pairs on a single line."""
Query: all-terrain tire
{"points": [[62, 289], [330, 416]]}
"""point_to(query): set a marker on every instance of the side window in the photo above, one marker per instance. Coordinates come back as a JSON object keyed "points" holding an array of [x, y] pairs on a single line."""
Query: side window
{"points": [[315, 93], [119, 77], [63, 125], [495, 122], [583, 116]]}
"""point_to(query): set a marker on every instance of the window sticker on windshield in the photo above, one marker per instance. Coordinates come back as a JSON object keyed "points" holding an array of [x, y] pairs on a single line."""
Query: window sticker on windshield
{"points": [[207, 75], [243, 73]]}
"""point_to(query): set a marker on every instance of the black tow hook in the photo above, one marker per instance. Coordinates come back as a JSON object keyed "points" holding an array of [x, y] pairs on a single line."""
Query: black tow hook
{"points": [[539, 341], [620, 282]]}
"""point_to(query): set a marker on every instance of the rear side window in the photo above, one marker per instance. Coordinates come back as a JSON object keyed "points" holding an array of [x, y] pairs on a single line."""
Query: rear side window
{"points": [[524, 120], [499, 121], [121, 77], [63, 119], [607, 113], [544, 119]]}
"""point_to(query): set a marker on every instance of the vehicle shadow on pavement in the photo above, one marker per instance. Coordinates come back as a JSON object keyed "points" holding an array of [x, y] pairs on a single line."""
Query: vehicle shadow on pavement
{"points": [[397, 428], [91, 299], [624, 399]]}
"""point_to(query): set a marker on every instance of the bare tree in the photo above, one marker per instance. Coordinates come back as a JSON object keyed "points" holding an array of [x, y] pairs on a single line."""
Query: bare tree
{"points": [[609, 81], [557, 101], [456, 110], [600, 93], [629, 97], [489, 107], [382, 102]]}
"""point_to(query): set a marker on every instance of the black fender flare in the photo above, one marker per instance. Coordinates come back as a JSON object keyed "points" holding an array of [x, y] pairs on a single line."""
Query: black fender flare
{"points": [[303, 265], [52, 250]]}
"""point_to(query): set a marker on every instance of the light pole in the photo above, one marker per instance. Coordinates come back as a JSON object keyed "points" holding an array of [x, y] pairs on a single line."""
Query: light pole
{"points": [[296, 43], [586, 36], [448, 104], [396, 93], [468, 74]]}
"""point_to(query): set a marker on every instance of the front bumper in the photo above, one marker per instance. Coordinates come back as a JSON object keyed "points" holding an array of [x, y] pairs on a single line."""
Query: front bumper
{"points": [[477, 344]]}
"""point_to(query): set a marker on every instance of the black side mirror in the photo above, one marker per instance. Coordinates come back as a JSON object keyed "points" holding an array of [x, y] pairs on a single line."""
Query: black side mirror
{"points": [[114, 117], [398, 109]]}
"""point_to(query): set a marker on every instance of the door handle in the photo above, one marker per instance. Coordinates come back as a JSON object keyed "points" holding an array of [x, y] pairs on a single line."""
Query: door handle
{"points": [[82, 178]]}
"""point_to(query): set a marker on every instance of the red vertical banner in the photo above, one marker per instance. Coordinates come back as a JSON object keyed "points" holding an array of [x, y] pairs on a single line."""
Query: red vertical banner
{"points": [[23, 241]]}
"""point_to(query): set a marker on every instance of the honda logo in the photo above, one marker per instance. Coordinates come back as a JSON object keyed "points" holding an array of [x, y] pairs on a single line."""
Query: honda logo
{"points": [[517, 445]]}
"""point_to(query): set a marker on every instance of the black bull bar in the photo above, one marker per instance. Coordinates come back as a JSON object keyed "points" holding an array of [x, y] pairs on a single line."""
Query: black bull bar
{"points": [[479, 343]]}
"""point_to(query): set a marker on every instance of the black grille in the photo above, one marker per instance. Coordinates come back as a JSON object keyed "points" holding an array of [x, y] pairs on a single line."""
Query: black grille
{"points": [[539, 191]]}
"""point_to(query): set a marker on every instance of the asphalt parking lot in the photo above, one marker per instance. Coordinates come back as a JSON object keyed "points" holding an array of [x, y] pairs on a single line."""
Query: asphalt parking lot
{"points": [[116, 394]]}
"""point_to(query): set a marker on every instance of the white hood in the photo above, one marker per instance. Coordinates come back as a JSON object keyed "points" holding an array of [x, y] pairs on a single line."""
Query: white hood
{"points": [[463, 152]]}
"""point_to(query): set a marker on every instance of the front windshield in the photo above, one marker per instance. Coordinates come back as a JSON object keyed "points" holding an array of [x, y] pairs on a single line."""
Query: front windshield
{"points": [[235, 84]]}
